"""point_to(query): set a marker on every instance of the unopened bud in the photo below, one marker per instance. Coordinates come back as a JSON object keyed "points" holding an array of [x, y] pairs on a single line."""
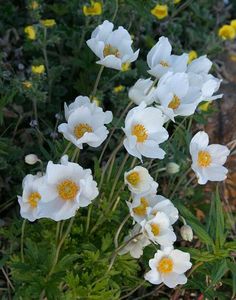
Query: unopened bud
{"points": [[172, 168], [186, 233], [31, 159]]}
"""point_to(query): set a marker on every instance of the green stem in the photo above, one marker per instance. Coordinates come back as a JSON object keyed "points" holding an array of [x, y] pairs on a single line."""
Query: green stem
{"points": [[116, 11], [88, 218], [153, 84], [97, 82], [22, 240]]}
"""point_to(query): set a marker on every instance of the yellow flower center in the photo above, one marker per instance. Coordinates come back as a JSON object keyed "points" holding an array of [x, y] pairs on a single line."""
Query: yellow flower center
{"points": [[33, 199], [165, 265], [67, 189], [133, 178], [140, 132], [204, 159], [164, 63], [174, 103], [154, 212], [80, 130], [110, 50], [155, 229], [141, 210]]}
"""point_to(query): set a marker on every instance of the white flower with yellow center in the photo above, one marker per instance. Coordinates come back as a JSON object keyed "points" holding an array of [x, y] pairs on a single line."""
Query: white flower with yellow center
{"points": [[112, 47], [149, 205], [85, 123], [138, 241], [208, 160], [31, 206], [160, 60], [67, 186], [176, 96], [139, 181], [142, 91], [168, 266], [144, 132], [159, 230]]}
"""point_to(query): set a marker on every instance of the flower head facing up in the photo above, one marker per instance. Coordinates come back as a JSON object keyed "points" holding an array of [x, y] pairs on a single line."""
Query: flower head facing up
{"points": [[112, 47], [208, 160], [144, 132], [48, 23], [95, 9], [160, 11], [139, 181], [66, 187], [168, 266], [191, 56], [39, 69], [160, 60], [227, 32], [30, 32], [85, 123]]}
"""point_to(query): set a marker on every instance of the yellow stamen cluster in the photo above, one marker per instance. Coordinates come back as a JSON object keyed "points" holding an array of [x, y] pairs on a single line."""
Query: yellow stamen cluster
{"points": [[140, 132], [155, 229], [141, 210], [133, 178], [164, 63], [110, 50], [204, 159], [174, 103], [67, 189], [165, 265], [33, 199], [81, 129]]}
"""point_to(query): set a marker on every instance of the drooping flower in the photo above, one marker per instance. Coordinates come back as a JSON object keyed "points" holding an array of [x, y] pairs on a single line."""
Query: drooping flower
{"points": [[186, 233], [208, 160], [159, 230], [112, 47], [168, 266], [31, 159], [95, 9], [160, 11], [176, 96], [39, 69], [144, 132], [66, 187], [48, 23], [85, 123], [172, 168], [142, 91], [30, 32], [139, 181], [136, 245], [191, 56], [227, 32], [160, 60]]}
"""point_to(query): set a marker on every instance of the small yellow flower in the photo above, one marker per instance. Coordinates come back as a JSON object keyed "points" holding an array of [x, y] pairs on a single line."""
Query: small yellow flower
{"points": [[30, 32], [125, 67], [34, 5], [233, 24], [38, 69], [232, 57], [176, 1], [94, 9], [48, 22], [227, 32], [27, 84], [118, 88], [96, 101], [191, 56], [204, 106], [160, 11]]}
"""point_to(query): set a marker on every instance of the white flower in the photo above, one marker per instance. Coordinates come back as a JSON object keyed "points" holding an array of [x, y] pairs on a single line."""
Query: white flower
{"points": [[186, 233], [136, 245], [31, 206], [172, 168], [112, 47], [168, 266], [159, 230], [144, 132], [146, 205], [85, 123], [31, 159], [67, 186], [160, 60], [208, 160], [142, 92], [139, 181], [177, 97], [200, 65]]}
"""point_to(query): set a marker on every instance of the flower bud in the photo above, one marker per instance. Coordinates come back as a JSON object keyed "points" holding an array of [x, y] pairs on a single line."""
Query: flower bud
{"points": [[172, 168], [186, 233], [31, 159]]}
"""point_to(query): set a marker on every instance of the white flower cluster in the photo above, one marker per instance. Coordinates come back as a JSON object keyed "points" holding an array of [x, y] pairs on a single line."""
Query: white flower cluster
{"points": [[154, 216]]}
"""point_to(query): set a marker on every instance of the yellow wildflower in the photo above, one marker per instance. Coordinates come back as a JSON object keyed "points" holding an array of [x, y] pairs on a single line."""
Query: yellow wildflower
{"points": [[233, 24], [204, 106], [48, 22], [232, 57], [176, 1], [96, 101], [227, 32], [94, 9], [38, 69], [30, 32], [125, 67], [160, 11], [27, 84], [191, 56], [34, 5], [118, 88]]}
